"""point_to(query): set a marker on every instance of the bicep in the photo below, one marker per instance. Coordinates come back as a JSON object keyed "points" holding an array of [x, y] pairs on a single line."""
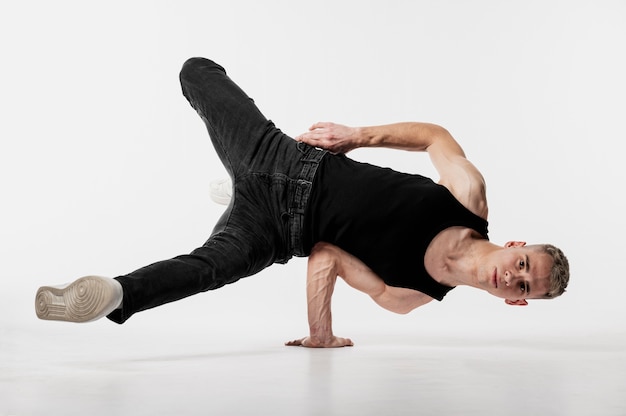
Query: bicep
{"points": [[401, 300]]}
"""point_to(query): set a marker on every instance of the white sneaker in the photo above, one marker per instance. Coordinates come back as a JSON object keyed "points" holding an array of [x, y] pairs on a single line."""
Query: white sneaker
{"points": [[221, 191], [84, 300]]}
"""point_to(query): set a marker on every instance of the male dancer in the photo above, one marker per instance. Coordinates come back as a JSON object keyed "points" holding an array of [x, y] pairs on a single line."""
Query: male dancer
{"points": [[400, 238]]}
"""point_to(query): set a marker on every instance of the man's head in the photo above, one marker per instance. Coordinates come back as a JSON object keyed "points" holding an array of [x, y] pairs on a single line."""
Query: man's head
{"points": [[519, 272], [559, 274]]}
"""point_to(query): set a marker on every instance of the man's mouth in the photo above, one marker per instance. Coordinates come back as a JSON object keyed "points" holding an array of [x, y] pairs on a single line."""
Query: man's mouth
{"points": [[495, 277]]}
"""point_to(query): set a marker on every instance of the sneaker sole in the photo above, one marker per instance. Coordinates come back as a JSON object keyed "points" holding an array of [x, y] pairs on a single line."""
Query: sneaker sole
{"points": [[86, 299]]}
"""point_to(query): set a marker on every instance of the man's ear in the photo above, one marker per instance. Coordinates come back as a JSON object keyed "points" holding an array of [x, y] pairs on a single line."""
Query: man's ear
{"points": [[520, 302], [510, 244]]}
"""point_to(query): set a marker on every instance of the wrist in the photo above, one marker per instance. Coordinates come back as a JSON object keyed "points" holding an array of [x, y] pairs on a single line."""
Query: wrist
{"points": [[365, 137], [360, 137], [320, 335]]}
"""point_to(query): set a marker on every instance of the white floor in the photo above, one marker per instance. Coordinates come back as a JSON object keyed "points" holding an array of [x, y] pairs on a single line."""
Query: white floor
{"points": [[147, 369]]}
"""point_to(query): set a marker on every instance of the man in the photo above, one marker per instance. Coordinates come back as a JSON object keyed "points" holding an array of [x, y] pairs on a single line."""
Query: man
{"points": [[400, 238]]}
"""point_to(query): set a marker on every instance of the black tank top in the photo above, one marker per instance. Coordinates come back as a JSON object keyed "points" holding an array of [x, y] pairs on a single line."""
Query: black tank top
{"points": [[385, 218]]}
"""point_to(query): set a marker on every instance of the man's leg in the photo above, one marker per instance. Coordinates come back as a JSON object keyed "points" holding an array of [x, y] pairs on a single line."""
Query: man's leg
{"points": [[271, 175], [225, 258], [243, 138]]}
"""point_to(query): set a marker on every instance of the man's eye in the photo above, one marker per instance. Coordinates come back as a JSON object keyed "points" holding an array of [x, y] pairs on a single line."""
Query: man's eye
{"points": [[522, 264], [523, 287]]}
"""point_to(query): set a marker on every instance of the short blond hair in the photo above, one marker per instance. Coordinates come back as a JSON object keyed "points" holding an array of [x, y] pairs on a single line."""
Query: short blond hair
{"points": [[559, 274]]}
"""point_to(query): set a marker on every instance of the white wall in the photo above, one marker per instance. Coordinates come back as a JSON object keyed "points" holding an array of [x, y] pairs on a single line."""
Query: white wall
{"points": [[104, 167]]}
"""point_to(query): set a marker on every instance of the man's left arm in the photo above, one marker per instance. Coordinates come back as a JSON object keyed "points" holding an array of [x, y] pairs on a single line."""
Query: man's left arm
{"points": [[321, 278], [326, 262]]}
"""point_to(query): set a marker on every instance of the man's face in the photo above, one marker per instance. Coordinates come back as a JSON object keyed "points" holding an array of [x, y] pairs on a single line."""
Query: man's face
{"points": [[516, 273]]}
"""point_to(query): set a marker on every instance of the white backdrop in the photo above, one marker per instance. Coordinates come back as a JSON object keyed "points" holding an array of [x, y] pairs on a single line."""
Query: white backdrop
{"points": [[105, 168]]}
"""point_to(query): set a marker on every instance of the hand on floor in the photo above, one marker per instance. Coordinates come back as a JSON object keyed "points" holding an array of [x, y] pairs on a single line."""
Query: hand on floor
{"points": [[332, 342]]}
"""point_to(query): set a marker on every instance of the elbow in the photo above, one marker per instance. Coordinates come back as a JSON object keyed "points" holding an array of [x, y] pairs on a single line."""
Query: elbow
{"points": [[402, 310], [323, 256], [438, 132], [397, 309], [391, 303], [434, 134], [437, 129], [322, 252], [433, 130]]}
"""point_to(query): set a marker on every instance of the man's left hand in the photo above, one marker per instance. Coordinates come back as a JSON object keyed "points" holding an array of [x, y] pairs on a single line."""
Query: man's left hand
{"points": [[332, 342]]}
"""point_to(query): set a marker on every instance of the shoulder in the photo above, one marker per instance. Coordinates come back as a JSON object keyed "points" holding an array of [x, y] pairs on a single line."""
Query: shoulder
{"points": [[457, 173], [467, 185]]}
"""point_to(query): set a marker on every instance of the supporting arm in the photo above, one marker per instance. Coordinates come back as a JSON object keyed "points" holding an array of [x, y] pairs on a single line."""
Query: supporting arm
{"points": [[321, 278], [326, 262]]}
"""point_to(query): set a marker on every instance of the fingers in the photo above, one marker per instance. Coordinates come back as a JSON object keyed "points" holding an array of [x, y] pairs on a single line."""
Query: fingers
{"points": [[344, 342], [316, 139], [335, 138], [320, 125], [294, 343], [314, 135], [322, 137], [335, 342], [316, 131]]}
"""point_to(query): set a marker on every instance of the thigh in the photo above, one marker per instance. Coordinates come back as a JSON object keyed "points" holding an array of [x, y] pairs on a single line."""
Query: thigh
{"points": [[235, 124]]}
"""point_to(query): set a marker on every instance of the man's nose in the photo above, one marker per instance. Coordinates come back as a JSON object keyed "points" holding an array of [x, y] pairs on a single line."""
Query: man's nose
{"points": [[509, 278]]}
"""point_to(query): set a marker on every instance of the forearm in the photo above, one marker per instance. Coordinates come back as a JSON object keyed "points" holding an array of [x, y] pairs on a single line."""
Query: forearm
{"points": [[321, 278], [410, 136]]}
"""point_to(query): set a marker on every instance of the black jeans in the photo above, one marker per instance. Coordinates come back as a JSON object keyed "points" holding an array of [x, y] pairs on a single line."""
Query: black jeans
{"points": [[272, 177]]}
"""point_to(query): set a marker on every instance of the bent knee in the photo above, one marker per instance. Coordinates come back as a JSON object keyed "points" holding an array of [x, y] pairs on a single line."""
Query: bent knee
{"points": [[194, 65]]}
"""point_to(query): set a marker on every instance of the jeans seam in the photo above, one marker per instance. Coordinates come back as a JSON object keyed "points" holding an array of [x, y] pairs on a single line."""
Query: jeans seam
{"points": [[311, 159]]}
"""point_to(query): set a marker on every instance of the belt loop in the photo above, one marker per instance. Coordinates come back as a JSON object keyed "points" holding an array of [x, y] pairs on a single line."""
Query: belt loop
{"points": [[310, 161]]}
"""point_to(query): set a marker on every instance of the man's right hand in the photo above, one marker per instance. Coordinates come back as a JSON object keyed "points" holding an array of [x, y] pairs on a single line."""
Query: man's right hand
{"points": [[310, 342]]}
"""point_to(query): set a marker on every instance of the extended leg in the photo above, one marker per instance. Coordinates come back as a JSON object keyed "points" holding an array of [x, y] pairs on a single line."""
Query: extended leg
{"points": [[249, 237]]}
